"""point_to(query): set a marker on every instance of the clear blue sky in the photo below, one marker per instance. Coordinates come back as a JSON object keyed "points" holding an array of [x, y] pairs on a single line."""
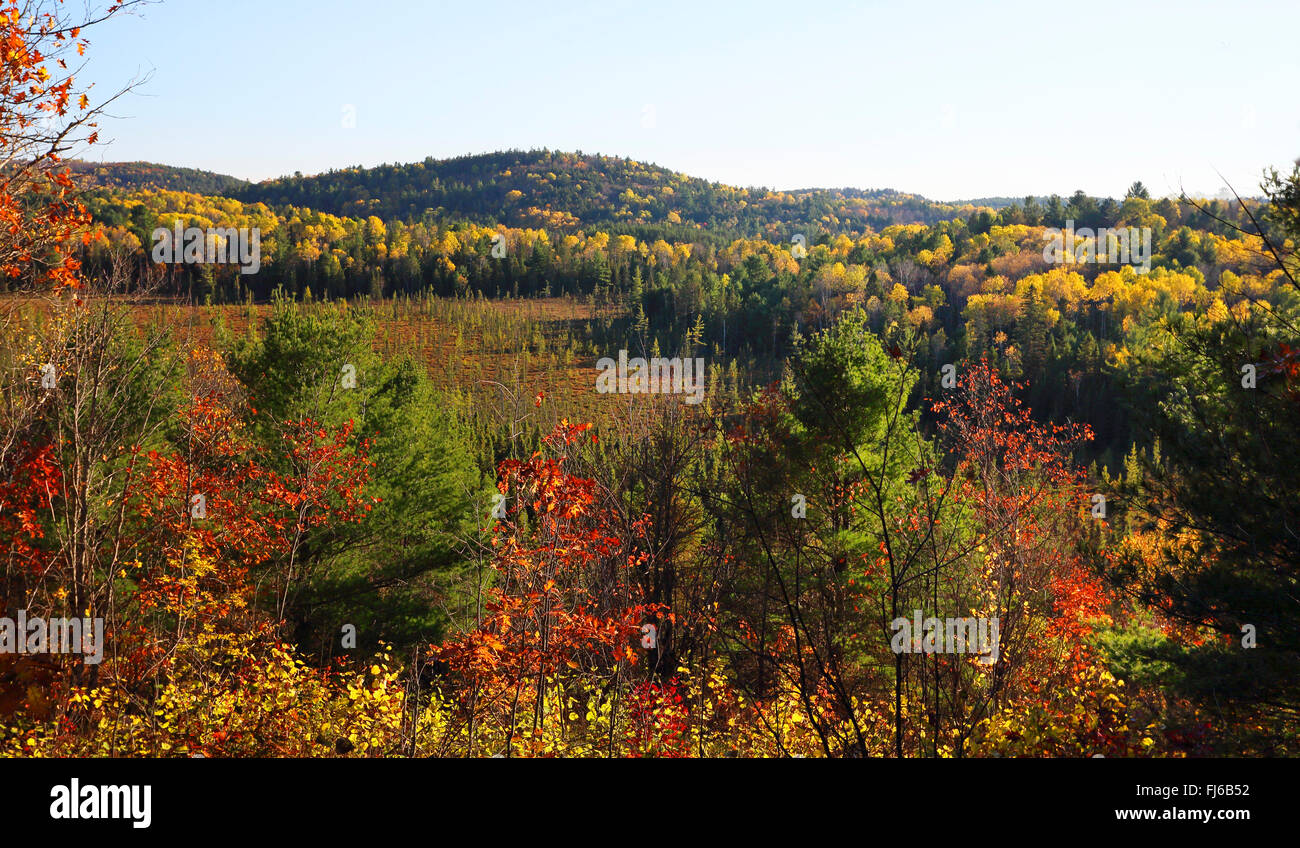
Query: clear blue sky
{"points": [[950, 100]]}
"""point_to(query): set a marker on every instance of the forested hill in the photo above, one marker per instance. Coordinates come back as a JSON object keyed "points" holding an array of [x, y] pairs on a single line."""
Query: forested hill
{"points": [[133, 176], [569, 191]]}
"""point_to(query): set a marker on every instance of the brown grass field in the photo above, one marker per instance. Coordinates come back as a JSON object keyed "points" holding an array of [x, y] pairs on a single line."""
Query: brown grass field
{"points": [[495, 355]]}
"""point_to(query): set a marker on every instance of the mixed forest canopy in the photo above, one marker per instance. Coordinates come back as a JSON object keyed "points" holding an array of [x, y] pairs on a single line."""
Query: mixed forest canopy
{"points": [[966, 282]]}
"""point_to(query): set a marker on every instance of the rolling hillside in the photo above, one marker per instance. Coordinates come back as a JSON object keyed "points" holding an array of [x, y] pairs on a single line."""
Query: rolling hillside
{"points": [[133, 176], [569, 191]]}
